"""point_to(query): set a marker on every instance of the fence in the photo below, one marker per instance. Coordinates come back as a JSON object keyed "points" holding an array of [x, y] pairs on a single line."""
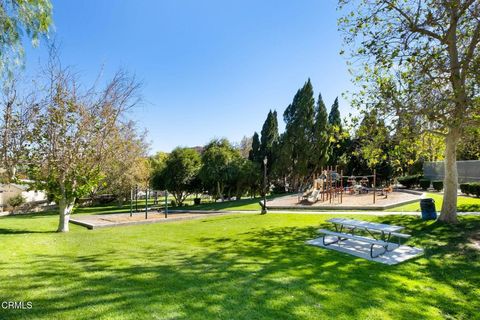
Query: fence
{"points": [[468, 171]]}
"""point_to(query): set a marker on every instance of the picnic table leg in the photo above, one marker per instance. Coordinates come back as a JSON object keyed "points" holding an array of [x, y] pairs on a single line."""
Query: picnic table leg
{"points": [[373, 236], [388, 241], [385, 249], [332, 242]]}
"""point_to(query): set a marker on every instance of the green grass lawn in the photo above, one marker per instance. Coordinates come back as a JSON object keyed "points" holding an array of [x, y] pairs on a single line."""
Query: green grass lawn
{"points": [[243, 266], [465, 204]]}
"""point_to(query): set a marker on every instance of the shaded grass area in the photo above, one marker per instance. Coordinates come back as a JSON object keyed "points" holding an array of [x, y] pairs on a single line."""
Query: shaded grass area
{"points": [[465, 204], [232, 267]]}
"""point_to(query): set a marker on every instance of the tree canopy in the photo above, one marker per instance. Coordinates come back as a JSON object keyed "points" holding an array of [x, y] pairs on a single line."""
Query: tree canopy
{"points": [[17, 18], [419, 59]]}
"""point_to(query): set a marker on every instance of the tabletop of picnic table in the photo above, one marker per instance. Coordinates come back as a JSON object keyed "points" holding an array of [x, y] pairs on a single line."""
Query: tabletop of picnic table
{"points": [[366, 224]]}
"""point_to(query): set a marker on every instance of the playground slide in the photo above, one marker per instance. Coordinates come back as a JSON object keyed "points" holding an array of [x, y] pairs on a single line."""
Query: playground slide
{"points": [[314, 197]]}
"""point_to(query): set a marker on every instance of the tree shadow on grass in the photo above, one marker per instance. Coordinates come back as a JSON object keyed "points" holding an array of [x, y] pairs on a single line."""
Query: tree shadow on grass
{"points": [[32, 215], [259, 274], [468, 207], [21, 231]]}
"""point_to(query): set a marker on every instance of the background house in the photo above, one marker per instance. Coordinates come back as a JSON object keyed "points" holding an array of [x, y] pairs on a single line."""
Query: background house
{"points": [[11, 190]]}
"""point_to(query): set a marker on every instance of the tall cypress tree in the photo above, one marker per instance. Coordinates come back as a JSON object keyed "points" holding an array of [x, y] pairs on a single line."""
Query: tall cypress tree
{"points": [[321, 136], [269, 134], [334, 116], [269, 139], [254, 154], [299, 119], [337, 147]]}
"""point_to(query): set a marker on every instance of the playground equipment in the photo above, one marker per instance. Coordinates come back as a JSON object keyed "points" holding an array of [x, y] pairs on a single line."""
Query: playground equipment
{"points": [[328, 186], [134, 191]]}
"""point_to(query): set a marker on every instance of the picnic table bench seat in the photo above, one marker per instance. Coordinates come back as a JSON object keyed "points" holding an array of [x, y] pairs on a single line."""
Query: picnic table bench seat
{"points": [[397, 235], [343, 236]]}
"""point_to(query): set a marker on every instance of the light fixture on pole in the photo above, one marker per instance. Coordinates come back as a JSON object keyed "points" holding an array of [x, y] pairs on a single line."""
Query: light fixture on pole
{"points": [[264, 206]]}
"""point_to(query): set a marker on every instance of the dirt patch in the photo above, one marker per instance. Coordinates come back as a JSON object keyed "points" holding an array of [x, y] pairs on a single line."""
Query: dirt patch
{"points": [[348, 200], [123, 219]]}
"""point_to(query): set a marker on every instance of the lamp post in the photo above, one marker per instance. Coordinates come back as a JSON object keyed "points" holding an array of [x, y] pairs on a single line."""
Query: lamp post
{"points": [[264, 207]]}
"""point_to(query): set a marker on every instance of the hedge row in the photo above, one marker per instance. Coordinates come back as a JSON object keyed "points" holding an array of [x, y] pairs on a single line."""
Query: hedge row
{"points": [[410, 181], [418, 180], [437, 185], [424, 184], [472, 188]]}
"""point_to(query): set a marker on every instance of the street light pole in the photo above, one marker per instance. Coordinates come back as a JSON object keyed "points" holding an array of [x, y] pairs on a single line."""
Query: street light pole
{"points": [[264, 207]]}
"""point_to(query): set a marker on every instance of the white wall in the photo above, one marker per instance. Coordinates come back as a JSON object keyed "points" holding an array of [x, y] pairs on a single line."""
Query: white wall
{"points": [[10, 191]]}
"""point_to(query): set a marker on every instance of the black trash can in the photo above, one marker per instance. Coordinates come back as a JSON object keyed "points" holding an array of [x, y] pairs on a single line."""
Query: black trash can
{"points": [[428, 209]]}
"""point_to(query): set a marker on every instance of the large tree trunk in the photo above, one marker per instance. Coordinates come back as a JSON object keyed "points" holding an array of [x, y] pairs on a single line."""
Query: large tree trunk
{"points": [[450, 184], [65, 209]]}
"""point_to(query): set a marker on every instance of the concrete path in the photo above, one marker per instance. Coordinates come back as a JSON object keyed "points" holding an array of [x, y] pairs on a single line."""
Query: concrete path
{"points": [[373, 213]]}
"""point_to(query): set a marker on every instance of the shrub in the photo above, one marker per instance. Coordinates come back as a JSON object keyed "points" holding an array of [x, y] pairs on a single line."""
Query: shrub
{"points": [[475, 189], [437, 185], [464, 188], [472, 188], [424, 184], [409, 181], [16, 201]]}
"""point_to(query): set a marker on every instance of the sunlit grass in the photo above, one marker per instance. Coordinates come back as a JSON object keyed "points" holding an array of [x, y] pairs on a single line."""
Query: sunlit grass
{"points": [[466, 204], [244, 266]]}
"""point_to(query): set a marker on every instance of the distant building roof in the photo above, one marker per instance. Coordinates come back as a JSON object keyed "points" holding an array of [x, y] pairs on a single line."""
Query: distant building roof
{"points": [[199, 149]]}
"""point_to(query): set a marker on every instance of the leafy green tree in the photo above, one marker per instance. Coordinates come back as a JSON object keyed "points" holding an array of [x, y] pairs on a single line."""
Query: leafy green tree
{"points": [[19, 17], [469, 146], [299, 120], [419, 59], [181, 169], [374, 146], [321, 139], [158, 161], [216, 172], [128, 166], [250, 178], [71, 137]]}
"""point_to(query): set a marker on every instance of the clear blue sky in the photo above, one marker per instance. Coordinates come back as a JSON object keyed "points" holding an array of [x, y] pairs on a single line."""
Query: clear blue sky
{"points": [[209, 68]]}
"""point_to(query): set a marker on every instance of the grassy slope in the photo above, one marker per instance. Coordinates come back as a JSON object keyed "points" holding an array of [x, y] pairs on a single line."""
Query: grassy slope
{"points": [[231, 267], [466, 204]]}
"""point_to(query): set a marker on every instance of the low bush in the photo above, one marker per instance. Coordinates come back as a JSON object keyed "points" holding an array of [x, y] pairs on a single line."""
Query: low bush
{"points": [[410, 181], [472, 188], [16, 201], [437, 185], [424, 184]]}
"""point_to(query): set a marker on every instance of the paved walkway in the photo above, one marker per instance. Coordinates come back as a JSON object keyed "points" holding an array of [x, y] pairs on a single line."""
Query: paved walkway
{"points": [[374, 213]]}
